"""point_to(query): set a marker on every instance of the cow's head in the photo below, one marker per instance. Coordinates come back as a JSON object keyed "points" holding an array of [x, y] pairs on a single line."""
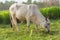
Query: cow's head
{"points": [[46, 24]]}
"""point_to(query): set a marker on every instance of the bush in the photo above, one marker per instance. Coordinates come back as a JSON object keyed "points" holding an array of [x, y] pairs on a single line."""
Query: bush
{"points": [[51, 12], [4, 17]]}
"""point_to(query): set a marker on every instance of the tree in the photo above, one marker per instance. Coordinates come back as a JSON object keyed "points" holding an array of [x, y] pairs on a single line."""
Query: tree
{"points": [[29, 1], [52, 2], [35, 2], [6, 5]]}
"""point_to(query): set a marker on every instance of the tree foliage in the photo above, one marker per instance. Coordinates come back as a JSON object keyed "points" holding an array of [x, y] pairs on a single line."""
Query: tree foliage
{"points": [[6, 5], [29, 1]]}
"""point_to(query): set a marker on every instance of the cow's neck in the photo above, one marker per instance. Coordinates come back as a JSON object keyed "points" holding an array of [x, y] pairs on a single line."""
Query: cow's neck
{"points": [[41, 18]]}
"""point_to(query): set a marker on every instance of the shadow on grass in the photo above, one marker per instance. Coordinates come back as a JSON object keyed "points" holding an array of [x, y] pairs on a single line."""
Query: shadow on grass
{"points": [[51, 32], [54, 33]]}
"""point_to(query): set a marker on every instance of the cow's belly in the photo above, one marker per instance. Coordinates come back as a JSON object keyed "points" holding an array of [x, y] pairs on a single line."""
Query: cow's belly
{"points": [[21, 18]]}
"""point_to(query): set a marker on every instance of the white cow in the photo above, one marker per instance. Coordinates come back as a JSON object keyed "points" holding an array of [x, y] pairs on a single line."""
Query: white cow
{"points": [[29, 13]]}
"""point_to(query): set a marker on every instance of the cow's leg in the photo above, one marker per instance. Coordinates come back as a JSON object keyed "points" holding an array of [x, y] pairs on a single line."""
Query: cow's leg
{"points": [[28, 23], [15, 23], [12, 25], [21, 22], [36, 27]]}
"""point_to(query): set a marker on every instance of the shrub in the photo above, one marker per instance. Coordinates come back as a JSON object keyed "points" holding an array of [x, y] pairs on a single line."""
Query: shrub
{"points": [[4, 17], [51, 12], [1, 18]]}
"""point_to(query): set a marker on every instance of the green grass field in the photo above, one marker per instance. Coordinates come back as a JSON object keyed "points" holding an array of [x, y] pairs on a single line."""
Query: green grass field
{"points": [[7, 34]]}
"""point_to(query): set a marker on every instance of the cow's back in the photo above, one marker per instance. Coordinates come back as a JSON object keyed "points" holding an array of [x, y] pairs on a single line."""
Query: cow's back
{"points": [[22, 11], [19, 10]]}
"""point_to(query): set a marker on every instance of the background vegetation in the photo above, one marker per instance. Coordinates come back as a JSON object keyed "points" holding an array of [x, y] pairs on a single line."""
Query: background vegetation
{"points": [[4, 17], [51, 12]]}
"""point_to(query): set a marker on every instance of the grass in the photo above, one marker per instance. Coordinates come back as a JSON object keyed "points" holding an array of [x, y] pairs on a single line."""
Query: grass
{"points": [[7, 34]]}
